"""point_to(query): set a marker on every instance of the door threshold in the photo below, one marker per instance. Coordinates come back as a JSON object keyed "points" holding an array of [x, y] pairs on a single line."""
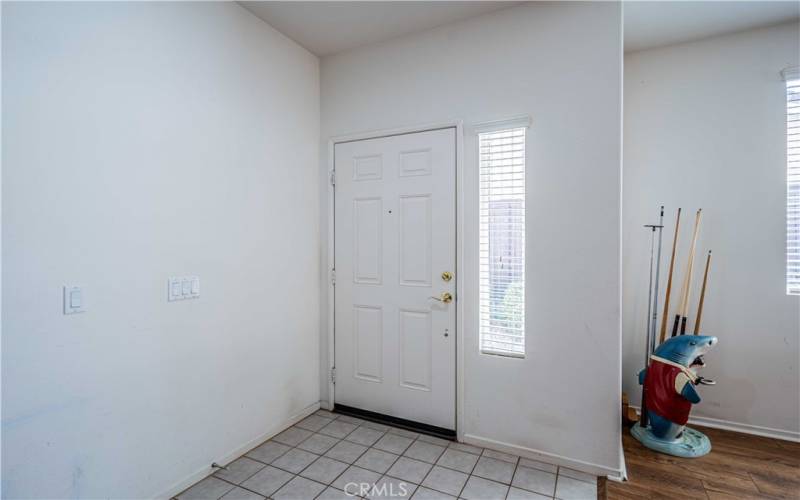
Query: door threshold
{"points": [[409, 425]]}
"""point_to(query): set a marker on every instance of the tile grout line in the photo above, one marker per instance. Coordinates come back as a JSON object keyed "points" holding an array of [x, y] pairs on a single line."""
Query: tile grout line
{"points": [[481, 457], [251, 475], [248, 489], [364, 452], [470, 473], [324, 486], [435, 464], [402, 454], [555, 486], [330, 485], [575, 478], [234, 487], [538, 493], [384, 433], [214, 474], [348, 465], [385, 474], [513, 475], [432, 467], [297, 447]]}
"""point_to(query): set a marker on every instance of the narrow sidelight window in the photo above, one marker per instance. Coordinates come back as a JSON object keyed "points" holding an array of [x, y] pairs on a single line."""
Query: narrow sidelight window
{"points": [[502, 241], [792, 77]]}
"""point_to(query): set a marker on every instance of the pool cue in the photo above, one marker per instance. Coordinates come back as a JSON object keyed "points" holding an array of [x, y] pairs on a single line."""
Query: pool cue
{"points": [[669, 280], [651, 344], [702, 295], [683, 307], [652, 309], [643, 416], [686, 300]]}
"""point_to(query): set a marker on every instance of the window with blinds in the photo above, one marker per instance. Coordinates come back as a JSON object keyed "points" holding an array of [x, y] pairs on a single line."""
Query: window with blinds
{"points": [[792, 77], [502, 242]]}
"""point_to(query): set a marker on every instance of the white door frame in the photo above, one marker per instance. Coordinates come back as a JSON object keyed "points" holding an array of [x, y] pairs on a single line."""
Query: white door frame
{"points": [[332, 141]]}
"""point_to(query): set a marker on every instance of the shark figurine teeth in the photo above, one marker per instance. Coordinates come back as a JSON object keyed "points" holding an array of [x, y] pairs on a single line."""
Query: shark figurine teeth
{"points": [[670, 383]]}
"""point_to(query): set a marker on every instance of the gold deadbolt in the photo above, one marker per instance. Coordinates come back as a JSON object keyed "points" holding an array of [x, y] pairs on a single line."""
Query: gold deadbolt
{"points": [[446, 297], [447, 276]]}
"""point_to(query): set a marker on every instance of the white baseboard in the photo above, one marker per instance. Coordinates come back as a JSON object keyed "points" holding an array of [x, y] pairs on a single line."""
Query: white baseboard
{"points": [[746, 428], [543, 456], [236, 453], [622, 474], [326, 405], [755, 430]]}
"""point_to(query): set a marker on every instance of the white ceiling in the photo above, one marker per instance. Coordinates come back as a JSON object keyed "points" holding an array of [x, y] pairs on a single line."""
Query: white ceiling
{"points": [[328, 27], [655, 24]]}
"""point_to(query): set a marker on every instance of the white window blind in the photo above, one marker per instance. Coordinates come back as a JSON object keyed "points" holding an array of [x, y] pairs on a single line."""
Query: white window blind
{"points": [[793, 181], [502, 241]]}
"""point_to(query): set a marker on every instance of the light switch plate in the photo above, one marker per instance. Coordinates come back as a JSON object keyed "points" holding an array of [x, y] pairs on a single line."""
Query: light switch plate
{"points": [[74, 299], [183, 287]]}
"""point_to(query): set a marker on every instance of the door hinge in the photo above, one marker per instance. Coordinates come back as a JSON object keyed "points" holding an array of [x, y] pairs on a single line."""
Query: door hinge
{"points": [[333, 178], [333, 375], [333, 276]]}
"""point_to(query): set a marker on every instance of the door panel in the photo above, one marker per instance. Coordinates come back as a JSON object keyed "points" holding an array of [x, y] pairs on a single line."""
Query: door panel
{"points": [[368, 329], [415, 240], [394, 237], [367, 244], [415, 349]]}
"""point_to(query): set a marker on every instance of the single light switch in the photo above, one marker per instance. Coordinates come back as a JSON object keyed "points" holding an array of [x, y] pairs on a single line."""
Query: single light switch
{"points": [[195, 286], [174, 289], [187, 286], [73, 300], [75, 297]]}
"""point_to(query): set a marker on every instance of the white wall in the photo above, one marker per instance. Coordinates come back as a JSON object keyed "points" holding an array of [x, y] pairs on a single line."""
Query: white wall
{"points": [[561, 64], [144, 140], [705, 126]]}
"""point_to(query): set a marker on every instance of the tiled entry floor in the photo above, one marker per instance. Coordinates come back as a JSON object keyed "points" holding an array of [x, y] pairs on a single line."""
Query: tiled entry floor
{"points": [[326, 454]]}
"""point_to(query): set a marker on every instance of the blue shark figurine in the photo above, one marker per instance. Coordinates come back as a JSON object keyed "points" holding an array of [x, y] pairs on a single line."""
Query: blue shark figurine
{"points": [[669, 388]]}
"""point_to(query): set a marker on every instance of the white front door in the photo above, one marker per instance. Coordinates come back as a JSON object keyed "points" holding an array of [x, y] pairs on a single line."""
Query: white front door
{"points": [[395, 233]]}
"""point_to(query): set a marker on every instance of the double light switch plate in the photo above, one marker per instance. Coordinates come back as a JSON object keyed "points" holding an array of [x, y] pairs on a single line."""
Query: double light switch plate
{"points": [[183, 287]]}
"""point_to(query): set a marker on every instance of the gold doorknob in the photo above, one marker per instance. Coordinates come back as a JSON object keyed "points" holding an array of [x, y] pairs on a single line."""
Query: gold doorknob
{"points": [[446, 298], [447, 276]]}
